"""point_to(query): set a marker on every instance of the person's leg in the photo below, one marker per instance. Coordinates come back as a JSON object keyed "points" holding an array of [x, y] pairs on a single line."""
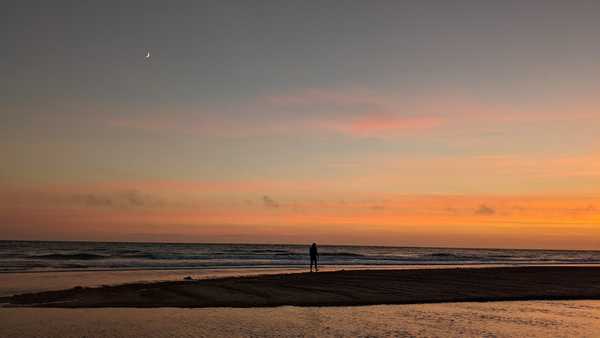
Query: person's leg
{"points": [[311, 263]]}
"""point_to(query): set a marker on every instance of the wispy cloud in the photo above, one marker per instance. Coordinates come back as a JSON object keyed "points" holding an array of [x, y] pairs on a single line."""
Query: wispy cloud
{"points": [[60, 210], [269, 202], [357, 112], [546, 165], [330, 101], [119, 199], [485, 210], [385, 124], [349, 111]]}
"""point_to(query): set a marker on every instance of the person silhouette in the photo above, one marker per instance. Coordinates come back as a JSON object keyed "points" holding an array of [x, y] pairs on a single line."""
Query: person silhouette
{"points": [[314, 257]]}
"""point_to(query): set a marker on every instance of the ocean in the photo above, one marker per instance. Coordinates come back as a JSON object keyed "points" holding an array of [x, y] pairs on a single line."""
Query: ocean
{"points": [[18, 256]]}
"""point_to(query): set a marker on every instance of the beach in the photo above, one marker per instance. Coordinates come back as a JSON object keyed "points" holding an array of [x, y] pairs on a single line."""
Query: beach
{"points": [[86, 290], [535, 301], [494, 319], [336, 288]]}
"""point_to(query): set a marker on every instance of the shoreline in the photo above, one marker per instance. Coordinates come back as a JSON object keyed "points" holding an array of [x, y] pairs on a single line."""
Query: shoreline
{"points": [[336, 288], [303, 267]]}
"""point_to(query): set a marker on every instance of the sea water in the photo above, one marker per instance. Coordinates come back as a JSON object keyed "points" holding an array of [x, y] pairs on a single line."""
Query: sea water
{"points": [[21, 256]]}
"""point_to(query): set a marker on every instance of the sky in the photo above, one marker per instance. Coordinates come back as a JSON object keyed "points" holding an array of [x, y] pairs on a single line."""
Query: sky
{"points": [[407, 123]]}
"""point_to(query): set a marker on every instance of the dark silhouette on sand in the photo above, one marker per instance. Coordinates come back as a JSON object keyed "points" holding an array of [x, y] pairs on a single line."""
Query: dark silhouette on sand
{"points": [[338, 288], [314, 257]]}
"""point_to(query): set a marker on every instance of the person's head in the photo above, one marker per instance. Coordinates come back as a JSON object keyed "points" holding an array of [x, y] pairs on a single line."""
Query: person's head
{"points": [[314, 244]]}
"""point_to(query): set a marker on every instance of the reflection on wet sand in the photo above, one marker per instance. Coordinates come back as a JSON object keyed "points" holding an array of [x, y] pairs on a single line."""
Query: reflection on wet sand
{"points": [[500, 319]]}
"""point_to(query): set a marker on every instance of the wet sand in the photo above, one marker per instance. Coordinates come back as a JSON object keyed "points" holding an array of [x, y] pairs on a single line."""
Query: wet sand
{"points": [[339, 288], [13, 283], [503, 319]]}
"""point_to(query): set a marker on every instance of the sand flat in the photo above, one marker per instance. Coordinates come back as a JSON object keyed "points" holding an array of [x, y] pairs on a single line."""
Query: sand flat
{"points": [[494, 319], [338, 288]]}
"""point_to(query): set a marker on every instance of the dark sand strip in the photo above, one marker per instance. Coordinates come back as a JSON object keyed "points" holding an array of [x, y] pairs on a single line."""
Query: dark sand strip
{"points": [[340, 288]]}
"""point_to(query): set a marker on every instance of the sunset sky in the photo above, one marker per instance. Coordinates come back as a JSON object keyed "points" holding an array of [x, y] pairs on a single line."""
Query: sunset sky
{"points": [[408, 123]]}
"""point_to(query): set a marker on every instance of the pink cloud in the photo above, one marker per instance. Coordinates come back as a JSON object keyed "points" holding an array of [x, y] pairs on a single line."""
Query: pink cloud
{"points": [[386, 125], [360, 112], [355, 112]]}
